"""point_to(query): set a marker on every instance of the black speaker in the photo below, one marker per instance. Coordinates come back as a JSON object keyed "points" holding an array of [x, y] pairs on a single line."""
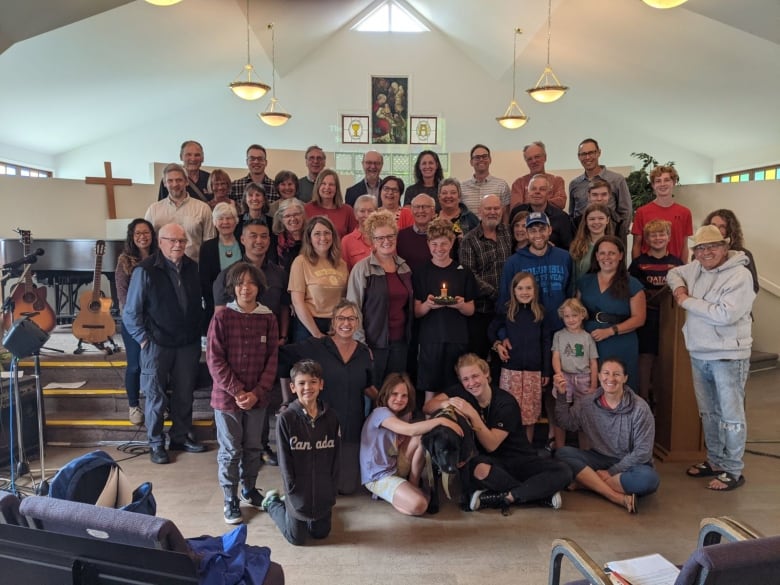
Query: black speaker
{"points": [[24, 338]]}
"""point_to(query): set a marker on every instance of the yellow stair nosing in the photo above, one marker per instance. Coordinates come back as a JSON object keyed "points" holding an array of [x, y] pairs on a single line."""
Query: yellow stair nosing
{"points": [[113, 423], [76, 364], [84, 391]]}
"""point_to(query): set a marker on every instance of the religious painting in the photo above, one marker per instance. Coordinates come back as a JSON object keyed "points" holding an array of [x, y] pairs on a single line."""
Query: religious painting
{"points": [[422, 129], [354, 129], [389, 120]]}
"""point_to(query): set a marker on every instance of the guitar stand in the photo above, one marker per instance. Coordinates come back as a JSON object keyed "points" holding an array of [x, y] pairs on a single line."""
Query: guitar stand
{"points": [[112, 349]]}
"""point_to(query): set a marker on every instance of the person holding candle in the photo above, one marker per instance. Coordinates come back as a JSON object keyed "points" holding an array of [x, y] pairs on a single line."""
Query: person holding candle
{"points": [[444, 335]]}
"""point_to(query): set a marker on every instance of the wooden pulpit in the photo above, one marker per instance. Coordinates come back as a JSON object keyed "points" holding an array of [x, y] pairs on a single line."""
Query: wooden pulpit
{"points": [[678, 431]]}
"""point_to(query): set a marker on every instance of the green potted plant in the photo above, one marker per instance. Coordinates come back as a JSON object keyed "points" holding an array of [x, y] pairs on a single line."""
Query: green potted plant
{"points": [[639, 181]]}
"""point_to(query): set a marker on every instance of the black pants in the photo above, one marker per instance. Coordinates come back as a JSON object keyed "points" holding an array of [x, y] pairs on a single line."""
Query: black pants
{"points": [[296, 531], [528, 478]]}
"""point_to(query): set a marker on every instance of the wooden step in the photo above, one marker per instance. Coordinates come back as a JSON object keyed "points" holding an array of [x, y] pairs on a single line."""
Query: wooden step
{"points": [[107, 400]]}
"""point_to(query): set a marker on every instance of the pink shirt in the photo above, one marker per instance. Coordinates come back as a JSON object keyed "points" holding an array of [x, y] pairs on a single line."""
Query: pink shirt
{"points": [[354, 248], [343, 217]]}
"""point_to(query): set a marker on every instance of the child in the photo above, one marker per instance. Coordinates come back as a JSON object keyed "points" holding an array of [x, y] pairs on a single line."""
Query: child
{"points": [[663, 179], [309, 439], [521, 337], [242, 350], [650, 269], [390, 447], [574, 355]]}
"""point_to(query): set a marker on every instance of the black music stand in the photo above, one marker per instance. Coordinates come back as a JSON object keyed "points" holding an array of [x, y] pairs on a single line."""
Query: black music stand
{"points": [[25, 339]]}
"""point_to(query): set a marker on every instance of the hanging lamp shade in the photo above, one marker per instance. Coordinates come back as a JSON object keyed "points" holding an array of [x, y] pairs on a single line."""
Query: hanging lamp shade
{"points": [[662, 4], [513, 117], [274, 114], [244, 86], [548, 88], [163, 2]]}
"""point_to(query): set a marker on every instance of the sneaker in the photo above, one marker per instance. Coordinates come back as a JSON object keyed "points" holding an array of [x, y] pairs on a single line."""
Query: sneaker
{"points": [[485, 499], [269, 457], [270, 497], [136, 415], [232, 511], [554, 501], [253, 497]]}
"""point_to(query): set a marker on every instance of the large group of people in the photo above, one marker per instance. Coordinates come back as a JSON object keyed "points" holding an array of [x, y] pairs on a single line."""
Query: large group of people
{"points": [[360, 318]]}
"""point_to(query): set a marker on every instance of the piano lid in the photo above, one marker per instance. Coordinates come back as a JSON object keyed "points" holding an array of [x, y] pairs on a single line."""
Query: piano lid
{"points": [[63, 255]]}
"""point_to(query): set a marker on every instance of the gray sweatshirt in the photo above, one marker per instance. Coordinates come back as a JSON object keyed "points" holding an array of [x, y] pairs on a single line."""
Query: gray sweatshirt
{"points": [[626, 433]]}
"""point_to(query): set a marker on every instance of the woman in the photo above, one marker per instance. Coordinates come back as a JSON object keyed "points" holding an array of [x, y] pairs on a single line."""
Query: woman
{"points": [[729, 226], [390, 189], [286, 183], [392, 457], [288, 229], [318, 279], [427, 174], [594, 225], [519, 233], [219, 187], [217, 254], [621, 431], [327, 200], [255, 206], [616, 304], [348, 376], [381, 285], [452, 209], [356, 245], [139, 244]]}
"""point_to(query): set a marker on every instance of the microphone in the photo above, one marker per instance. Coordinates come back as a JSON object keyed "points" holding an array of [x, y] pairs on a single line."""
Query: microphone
{"points": [[29, 259]]}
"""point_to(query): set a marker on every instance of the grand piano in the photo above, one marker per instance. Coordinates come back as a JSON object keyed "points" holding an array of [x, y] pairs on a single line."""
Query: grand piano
{"points": [[65, 267]]}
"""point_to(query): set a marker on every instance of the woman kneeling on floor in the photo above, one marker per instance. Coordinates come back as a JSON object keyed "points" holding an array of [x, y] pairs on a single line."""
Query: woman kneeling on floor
{"points": [[620, 427]]}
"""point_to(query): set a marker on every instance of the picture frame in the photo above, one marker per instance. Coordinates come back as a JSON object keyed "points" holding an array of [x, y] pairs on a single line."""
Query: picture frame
{"points": [[354, 129], [423, 129], [389, 109]]}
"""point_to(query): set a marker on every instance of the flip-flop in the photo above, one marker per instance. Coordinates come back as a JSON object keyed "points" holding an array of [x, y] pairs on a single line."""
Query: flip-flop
{"points": [[703, 469], [731, 482]]}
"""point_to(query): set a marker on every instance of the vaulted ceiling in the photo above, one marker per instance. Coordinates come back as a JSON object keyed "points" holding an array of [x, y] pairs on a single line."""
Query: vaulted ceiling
{"points": [[76, 72]]}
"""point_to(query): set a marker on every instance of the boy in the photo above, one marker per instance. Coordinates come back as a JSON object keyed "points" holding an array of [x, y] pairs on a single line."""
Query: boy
{"points": [[241, 354], [309, 439], [663, 179], [650, 269]]}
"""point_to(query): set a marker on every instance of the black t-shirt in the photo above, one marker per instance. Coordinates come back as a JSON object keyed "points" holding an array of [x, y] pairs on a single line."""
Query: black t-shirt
{"points": [[445, 325], [503, 413], [651, 272]]}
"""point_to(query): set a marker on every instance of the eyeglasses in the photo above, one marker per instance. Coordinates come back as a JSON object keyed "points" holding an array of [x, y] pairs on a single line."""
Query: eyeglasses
{"points": [[480, 157], [142, 234], [343, 319], [255, 158], [292, 215], [315, 158], [422, 207], [181, 242], [588, 153], [390, 238], [707, 247], [387, 189]]}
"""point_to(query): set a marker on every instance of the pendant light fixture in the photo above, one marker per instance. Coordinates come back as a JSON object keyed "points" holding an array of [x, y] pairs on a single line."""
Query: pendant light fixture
{"points": [[514, 117], [663, 4], [274, 114], [163, 2], [548, 89], [247, 89]]}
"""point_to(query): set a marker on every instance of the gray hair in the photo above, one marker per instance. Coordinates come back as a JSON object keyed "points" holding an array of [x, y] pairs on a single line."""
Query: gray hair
{"points": [[223, 209], [538, 143], [278, 226]]}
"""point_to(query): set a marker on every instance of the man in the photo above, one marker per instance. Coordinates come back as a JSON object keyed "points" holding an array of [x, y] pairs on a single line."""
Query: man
{"points": [[482, 182], [256, 162], [538, 198], [588, 152], [191, 156], [163, 314], [535, 155], [599, 191], [412, 243], [180, 208], [484, 250], [256, 241], [315, 162], [716, 291], [372, 168], [551, 266]]}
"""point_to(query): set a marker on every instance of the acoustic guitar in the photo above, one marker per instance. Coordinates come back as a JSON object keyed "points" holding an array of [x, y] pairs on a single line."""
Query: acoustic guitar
{"points": [[94, 323], [29, 300]]}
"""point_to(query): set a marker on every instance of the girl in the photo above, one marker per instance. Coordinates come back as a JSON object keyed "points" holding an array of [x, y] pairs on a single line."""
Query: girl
{"points": [[242, 346], [522, 339], [391, 454], [595, 224]]}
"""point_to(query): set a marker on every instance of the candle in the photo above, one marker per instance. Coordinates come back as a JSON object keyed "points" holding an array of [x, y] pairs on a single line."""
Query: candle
{"points": [[444, 294]]}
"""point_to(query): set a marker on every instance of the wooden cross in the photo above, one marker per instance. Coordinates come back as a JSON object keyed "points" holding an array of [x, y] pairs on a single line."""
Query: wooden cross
{"points": [[109, 181]]}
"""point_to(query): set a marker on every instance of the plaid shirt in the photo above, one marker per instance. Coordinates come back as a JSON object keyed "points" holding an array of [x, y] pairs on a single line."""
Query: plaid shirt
{"points": [[485, 258], [242, 353], [237, 189]]}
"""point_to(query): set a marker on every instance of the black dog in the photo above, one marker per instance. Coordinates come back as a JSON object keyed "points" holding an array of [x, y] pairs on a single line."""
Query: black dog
{"points": [[449, 452]]}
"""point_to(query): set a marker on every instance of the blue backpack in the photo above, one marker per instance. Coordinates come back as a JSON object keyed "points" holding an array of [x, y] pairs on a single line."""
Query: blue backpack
{"points": [[95, 478]]}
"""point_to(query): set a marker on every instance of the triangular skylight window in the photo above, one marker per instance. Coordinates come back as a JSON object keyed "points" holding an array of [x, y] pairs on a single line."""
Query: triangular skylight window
{"points": [[390, 16]]}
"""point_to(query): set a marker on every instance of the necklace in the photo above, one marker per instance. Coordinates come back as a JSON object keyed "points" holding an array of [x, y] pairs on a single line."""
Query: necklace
{"points": [[229, 253]]}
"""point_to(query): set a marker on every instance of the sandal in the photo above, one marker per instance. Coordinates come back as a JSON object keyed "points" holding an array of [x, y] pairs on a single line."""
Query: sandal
{"points": [[629, 502], [703, 469], [731, 482]]}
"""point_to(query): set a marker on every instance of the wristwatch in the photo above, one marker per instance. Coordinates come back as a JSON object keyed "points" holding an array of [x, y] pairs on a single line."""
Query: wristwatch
{"points": [[495, 346], [615, 330]]}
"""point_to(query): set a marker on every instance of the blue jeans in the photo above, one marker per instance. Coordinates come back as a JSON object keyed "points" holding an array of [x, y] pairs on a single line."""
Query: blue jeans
{"points": [[720, 394], [640, 479], [133, 369]]}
